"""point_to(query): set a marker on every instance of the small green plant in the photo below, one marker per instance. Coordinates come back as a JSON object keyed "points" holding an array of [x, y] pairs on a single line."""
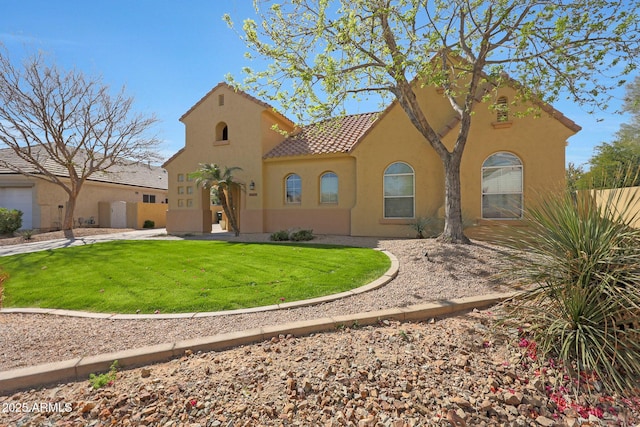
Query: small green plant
{"points": [[301, 235], [10, 220], [26, 234], [101, 380], [279, 236], [419, 225], [148, 224]]}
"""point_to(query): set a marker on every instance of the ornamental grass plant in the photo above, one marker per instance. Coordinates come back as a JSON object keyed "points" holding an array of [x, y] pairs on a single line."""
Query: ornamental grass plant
{"points": [[577, 265]]}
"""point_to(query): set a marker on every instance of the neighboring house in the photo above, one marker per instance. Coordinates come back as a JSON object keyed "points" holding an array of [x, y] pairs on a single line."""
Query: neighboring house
{"points": [[365, 174], [100, 203]]}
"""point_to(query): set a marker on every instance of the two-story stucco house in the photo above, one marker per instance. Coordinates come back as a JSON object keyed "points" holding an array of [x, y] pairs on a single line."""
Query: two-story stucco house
{"points": [[366, 175]]}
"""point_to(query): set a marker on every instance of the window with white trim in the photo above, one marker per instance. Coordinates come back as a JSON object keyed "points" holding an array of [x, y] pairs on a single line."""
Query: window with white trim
{"points": [[293, 189], [329, 188], [399, 191], [502, 187]]}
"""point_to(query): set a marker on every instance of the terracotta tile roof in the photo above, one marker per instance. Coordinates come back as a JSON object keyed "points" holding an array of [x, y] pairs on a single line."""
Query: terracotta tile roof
{"points": [[132, 174], [339, 135]]}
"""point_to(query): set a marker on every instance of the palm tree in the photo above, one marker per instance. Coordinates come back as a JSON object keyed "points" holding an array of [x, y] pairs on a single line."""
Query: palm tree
{"points": [[211, 176]]}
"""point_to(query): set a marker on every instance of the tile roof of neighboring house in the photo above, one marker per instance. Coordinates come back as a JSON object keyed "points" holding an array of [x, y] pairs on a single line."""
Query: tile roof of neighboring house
{"points": [[132, 174], [339, 135]]}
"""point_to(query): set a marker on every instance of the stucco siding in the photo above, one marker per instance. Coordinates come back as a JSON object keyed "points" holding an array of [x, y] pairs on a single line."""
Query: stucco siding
{"points": [[392, 140], [267, 159], [311, 212], [51, 196], [248, 134]]}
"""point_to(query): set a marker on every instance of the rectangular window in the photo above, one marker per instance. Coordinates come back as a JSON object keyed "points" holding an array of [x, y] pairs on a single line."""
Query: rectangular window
{"points": [[189, 190], [502, 206], [180, 177], [148, 198], [293, 189], [329, 188], [180, 190], [220, 100], [398, 196], [506, 179], [398, 207], [502, 187], [180, 203], [398, 186], [189, 203]]}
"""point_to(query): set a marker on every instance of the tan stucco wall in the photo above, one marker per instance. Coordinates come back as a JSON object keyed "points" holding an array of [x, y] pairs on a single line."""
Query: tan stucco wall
{"points": [[249, 135], [140, 212], [323, 218], [49, 196], [538, 141], [625, 200]]}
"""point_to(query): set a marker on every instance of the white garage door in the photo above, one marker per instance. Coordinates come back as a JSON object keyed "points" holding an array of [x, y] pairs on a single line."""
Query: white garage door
{"points": [[19, 198]]}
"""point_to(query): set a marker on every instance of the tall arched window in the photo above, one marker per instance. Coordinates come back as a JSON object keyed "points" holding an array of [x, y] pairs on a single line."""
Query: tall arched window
{"points": [[502, 187], [222, 132], [293, 189], [399, 191], [329, 188]]}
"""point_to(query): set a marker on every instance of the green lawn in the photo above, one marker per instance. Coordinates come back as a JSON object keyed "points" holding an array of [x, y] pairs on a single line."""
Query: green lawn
{"points": [[184, 276]]}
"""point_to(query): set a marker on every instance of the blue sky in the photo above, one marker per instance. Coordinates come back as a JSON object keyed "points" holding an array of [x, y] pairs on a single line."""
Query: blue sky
{"points": [[168, 54]]}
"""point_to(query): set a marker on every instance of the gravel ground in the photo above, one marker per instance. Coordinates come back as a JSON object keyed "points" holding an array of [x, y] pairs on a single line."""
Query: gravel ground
{"points": [[447, 272], [459, 371]]}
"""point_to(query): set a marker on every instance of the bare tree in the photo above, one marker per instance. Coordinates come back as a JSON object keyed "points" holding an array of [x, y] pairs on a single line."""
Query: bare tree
{"points": [[64, 126]]}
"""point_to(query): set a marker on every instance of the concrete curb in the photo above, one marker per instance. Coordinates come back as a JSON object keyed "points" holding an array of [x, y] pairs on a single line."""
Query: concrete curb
{"points": [[388, 276], [79, 369]]}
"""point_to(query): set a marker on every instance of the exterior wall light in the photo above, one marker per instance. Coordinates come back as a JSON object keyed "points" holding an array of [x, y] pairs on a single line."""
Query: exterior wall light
{"points": [[252, 185]]}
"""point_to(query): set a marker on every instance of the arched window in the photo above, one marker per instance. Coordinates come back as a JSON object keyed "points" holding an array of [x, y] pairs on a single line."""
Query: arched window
{"points": [[399, 191], [502, 109], [222, 132], [329, 188], [502, 187], [293, 189]]}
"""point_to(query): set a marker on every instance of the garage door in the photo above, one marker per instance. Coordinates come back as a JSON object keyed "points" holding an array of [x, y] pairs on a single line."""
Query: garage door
{"points": [[19, 198]]}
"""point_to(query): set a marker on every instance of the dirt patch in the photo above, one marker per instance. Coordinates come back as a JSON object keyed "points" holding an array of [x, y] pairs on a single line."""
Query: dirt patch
{"points": [[54, 235]]}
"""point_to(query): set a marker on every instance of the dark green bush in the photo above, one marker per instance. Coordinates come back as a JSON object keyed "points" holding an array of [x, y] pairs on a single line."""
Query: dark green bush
{"points": [[301, 235], [148, 224], [10, 220], [279, 236]]}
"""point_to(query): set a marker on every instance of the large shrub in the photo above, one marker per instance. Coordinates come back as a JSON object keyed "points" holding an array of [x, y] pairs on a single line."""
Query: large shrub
{"points": [[579, 264], [10, 220]]}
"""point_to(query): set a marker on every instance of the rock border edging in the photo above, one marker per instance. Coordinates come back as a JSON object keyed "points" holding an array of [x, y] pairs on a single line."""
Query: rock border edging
{"points": [[79, 369]]}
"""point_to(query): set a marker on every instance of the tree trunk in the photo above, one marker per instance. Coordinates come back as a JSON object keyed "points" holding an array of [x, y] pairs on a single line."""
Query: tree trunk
{"points": [[67, 222], [453, 228], [232, 219], [227, 210]]}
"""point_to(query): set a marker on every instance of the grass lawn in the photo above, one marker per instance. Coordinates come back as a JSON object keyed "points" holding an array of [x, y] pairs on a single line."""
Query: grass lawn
{"points": [[184, 276]]}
